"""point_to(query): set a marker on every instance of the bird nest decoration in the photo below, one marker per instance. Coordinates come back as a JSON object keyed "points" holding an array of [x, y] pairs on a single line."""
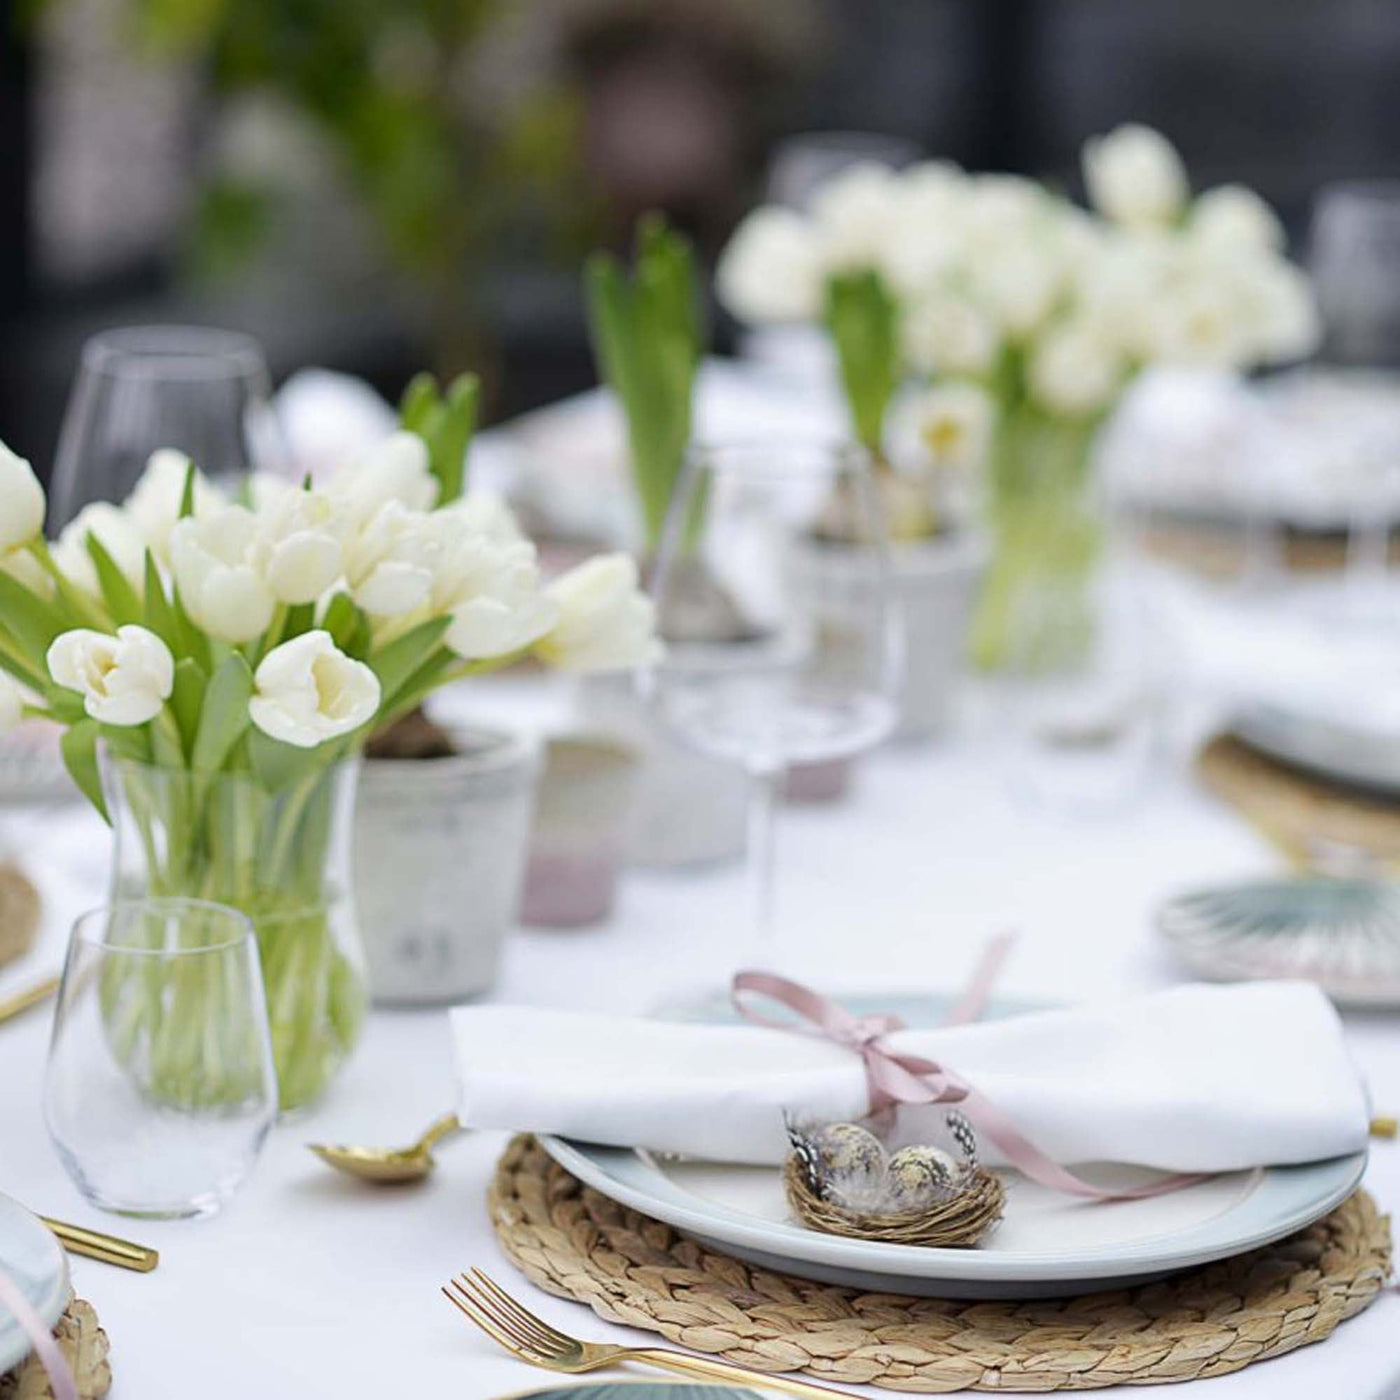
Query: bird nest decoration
{"points": [[840, 1179]]}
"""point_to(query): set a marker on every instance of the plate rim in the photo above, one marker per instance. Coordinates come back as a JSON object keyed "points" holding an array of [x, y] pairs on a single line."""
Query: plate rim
{"points": [[717, 1223], [962, 1265], [52, 1306]]}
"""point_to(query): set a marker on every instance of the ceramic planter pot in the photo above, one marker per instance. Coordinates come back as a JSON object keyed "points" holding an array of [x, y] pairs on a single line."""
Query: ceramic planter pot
{"points": [[583, 812], [690, 808], [440, 847], [936, 583]]}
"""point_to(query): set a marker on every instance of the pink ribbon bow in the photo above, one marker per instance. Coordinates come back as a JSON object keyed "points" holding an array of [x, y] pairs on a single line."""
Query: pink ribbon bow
{"points": [[895, 1078]]}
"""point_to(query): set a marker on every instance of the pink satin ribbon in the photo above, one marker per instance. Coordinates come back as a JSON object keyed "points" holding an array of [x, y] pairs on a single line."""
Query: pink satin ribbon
{"points": [[47, 1349], [895, 1078]]}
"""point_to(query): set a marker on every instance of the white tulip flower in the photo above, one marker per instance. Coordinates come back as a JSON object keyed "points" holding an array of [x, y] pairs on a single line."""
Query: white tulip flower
{"points": [[21, 502], [852, 213], [486, 576], [952, 424], [390, 561], [123, 679], [395, 470], [297, 548], [1018, 283], [605, 623], [11, 704], [948, 334], [1279, 311], [115, 532], [1198, 322], [488, 514], [307, 691], [154, 504], [1002, 208], [923, 237], [1073, 371], [1232, 218], [1135, 177], [771, 269], [215, 562]]}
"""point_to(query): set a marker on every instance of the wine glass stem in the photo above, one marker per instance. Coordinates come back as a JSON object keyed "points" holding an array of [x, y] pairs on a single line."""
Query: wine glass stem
{"points": [[765, 785]]}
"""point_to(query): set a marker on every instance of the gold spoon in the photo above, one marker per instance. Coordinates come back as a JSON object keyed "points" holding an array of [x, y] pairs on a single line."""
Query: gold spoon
{"points": [[390, 1164], [31, 996]]}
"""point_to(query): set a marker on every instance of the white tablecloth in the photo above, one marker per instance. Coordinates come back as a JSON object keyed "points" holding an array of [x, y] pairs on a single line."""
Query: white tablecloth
{"points": [[310, 1285]]}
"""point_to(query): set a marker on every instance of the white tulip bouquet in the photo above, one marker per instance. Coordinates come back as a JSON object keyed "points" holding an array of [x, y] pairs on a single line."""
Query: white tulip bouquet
{"points": [[1026, 316], [215, 663]]}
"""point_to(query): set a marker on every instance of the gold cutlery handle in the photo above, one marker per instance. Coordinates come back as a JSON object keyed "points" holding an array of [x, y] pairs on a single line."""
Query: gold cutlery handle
{"points": [[92, 1244], [31, 996], [686, 1365]]}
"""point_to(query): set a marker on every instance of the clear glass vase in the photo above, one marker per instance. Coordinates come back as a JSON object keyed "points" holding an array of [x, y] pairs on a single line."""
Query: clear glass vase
{"points": [[283, 858], [1047, 528]]}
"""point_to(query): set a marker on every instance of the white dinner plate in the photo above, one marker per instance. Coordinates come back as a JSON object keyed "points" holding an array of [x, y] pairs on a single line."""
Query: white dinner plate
{"points": [[35, 1260], [1047, 1244], [1322, 745]]}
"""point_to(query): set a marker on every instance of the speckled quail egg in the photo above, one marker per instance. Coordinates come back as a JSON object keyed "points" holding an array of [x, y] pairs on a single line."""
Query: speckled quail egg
{"points": [[849, 1149], [919, 1176]]}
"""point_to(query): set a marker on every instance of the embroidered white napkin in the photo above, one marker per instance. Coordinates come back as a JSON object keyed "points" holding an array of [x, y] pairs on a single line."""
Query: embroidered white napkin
{"points": [[1194, 1079]]}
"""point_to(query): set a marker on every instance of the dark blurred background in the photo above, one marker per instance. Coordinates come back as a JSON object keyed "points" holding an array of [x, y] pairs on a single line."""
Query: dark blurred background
{"points": [[380, 185]]}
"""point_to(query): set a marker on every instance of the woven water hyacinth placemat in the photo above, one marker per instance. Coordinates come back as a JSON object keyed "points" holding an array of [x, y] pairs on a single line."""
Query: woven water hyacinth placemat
{"points": [[83, 1342], [630, 1269]]}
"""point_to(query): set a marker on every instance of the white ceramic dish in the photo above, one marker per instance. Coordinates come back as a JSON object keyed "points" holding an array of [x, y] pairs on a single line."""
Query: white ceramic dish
{"points": [[1048, 1244], [1321, 745], [35, 1260]]}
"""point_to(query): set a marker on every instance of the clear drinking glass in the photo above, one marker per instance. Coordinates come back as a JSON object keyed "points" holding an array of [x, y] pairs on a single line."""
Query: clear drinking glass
{"points": [[155, 1113], [773, 594], [1354, 258], [200, 390]]}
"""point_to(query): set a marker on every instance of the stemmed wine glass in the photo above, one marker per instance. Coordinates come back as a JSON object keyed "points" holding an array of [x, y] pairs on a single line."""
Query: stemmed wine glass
{"points": [[783, 641], [202, 391]]}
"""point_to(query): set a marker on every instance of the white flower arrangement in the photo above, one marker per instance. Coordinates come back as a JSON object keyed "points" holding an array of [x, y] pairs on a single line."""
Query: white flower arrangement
{"points": [[228, 655], [368, 591], [1017, 292]]}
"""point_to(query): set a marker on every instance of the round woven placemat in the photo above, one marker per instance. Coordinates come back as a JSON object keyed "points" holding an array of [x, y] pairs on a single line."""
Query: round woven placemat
{"points": [[83, 1342], [576, 1243]]}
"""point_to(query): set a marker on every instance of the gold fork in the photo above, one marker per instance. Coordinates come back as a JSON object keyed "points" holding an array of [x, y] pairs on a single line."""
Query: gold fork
{"points": [[532, 1339]]}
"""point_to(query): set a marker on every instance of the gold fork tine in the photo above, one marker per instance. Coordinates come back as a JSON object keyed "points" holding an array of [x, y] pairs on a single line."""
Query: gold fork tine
{"points": [[525, 1316], [526, 1335], [491, 1330]]}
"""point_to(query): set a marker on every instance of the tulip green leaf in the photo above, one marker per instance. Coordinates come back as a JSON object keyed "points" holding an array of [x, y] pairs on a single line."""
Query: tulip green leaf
{"points": [[65, 705], [187, 495], [418, 403], [123, 604], [446, 423], [395, 663], [187, 699], [159, 615], [345, 621], [224, 714], [79, 748], [17, 667], [30, 620], [862, 318], [647, 342], [190, 641], [277, 765]]}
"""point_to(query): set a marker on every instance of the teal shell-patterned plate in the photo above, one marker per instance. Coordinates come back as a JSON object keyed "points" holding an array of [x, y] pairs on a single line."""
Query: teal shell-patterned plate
{"points": [[1343, 934]]}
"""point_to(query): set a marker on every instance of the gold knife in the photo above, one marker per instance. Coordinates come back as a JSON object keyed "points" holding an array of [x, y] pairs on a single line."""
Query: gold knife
{"points": [[110, 1250], [31, 996]]}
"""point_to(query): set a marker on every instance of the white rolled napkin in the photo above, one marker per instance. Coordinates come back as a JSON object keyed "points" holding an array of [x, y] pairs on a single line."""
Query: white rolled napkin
{"points": [[1195, 1079]]}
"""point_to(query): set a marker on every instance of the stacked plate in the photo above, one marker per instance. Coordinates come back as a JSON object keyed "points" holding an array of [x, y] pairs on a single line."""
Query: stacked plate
{"points": [[34, 1260], [1048, 1244]]}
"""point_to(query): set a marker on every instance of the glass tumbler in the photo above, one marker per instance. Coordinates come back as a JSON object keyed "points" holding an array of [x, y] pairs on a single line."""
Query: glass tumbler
{"points": [[202, 391], [160, 1088]]}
